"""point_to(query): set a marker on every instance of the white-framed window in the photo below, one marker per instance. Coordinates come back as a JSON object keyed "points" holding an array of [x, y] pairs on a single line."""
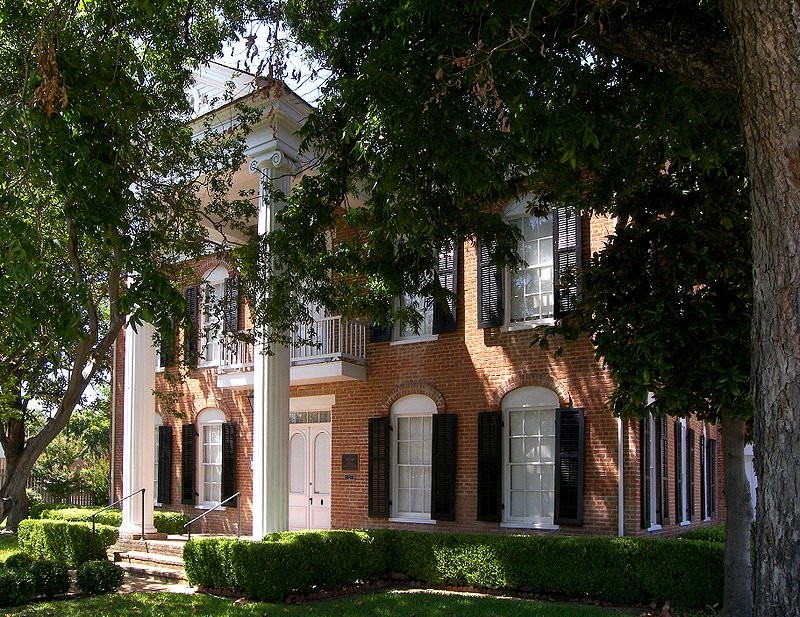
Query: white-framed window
{"points": [[412, 443], [156, 450], [530, 292], [209, 318], [404, 331], [529, 453], [209, 461], [681, 474]]}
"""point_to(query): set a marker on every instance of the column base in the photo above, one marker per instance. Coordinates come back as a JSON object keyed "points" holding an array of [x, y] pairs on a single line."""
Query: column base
{"points": [[135, 532]]}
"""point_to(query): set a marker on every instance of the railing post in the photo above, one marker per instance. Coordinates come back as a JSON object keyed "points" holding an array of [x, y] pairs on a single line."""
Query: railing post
{"points": [[143, 492]]}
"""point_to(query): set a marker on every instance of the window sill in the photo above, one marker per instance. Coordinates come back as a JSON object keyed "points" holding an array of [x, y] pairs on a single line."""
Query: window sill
{"points": [[210, 507], [427, 338], [654, 528], [156, 504], [523, 525], [685, 523], [527, 325], [411, 519], [159, 369]]}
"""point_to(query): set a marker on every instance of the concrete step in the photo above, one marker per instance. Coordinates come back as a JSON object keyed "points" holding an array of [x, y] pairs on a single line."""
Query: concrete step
{"points": [[157, 559], [150, 571], [163, 547]]}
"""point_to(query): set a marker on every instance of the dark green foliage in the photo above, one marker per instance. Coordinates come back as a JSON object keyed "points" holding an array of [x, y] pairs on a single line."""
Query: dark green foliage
{"points": [[711, 533], [98, 577], [19, 561], [623, 570], [36, 510], [16, 587], [69, 542], [50, 578], [165, 522]]}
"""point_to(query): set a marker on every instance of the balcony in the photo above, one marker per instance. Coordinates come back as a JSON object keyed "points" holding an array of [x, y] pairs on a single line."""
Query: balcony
{"points": [[337, 352]]}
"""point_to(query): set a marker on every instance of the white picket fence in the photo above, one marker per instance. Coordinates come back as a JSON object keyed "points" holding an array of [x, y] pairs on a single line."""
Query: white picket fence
{"points": [[80, 497]]}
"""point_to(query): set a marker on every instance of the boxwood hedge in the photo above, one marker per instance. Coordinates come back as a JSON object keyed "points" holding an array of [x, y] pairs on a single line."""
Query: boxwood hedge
{"points": [[621, 570], [69, 542], [164, 522]]}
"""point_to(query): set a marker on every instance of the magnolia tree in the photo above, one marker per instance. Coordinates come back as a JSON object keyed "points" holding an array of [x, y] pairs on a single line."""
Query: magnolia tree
{"points": [[104, 191]]}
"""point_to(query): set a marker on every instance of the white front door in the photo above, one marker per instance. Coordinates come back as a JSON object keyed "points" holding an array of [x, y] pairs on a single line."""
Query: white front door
{"points": [[310, 476]]}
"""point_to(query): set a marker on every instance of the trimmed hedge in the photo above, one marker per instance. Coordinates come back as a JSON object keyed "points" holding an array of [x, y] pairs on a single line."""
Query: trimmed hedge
{"points": [[164, 522], [710, 533], [620, 570], [65, 541], [16, 587], [98, 577], [50, 578]]}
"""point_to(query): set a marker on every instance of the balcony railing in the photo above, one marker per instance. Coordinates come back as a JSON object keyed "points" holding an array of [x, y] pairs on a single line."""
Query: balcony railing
{"points": [[333, 339]]}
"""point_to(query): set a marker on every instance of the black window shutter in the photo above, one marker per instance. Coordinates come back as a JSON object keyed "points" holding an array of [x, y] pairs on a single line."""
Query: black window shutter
{"points": [[190, 328], [443, 463], [662, 486], [164, 464], [678, 471], [644, 432], [379, 467], [229, 462], [490, 466], [711, 473], [690, 474], [703, 509], [490, 288], [187, 464], [566, 258], [230, 322], [380, 334], [569, 467], [166, 350], [444, 313]]}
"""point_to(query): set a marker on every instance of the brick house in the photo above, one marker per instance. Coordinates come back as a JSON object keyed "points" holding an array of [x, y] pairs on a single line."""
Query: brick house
{"points": [[460, 426]]}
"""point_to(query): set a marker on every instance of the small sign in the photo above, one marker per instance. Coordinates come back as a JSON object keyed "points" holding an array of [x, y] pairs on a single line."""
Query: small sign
{"points": [[349, 476], [349, 462]]}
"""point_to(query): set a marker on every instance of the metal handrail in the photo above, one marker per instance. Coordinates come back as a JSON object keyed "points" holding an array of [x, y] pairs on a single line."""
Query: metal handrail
{"points": [[111, 505], [188, 526]]}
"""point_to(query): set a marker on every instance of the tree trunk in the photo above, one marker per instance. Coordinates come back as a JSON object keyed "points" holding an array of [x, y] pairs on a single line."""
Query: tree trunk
{"points": [[738, 594], [766, 35], [18, 469]]}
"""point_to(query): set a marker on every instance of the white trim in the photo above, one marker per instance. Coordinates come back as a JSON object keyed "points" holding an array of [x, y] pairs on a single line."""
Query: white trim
{"points": [[208, 417], [312, 403], [411, 519], [527, 325], [422, 338], [685, 523], [520, 525], [684, 476], [655, 527]]}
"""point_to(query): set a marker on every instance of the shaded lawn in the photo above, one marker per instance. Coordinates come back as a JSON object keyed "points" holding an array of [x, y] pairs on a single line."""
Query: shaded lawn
{"points": [[388, 604], [8, 545]]}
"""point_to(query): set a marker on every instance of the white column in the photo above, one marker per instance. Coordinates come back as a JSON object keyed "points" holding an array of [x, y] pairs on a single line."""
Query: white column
{"points": [[138, 430], [270, 393]]}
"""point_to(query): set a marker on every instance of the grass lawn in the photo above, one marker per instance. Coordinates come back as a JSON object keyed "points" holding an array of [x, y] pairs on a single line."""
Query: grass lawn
{"points": [[8, 545], [373, 605]]}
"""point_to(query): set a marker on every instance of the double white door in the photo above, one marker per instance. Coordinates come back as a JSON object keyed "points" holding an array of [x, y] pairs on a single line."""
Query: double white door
{"points": [[310, 476]]}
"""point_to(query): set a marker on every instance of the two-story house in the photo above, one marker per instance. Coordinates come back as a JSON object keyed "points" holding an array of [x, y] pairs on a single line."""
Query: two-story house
{"points": [[460, 425]]}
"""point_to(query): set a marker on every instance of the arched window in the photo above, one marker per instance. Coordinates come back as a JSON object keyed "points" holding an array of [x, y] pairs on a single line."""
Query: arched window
{"points": [[412, 462]]}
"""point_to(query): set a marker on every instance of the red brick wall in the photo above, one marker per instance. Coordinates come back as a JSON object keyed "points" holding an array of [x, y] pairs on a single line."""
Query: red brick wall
{"points": [[464, 372]]}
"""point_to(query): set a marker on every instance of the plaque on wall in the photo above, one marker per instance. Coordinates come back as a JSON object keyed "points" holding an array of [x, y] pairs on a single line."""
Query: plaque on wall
{"points": [[349, 462]]}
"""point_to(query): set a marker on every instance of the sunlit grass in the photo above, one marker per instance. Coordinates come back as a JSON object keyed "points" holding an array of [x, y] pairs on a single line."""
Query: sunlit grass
{"points": [[8, 545], [388, 604]]}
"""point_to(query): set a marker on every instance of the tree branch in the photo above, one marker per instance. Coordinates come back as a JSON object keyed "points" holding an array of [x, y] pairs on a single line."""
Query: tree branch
{"points": [[694, 49]]}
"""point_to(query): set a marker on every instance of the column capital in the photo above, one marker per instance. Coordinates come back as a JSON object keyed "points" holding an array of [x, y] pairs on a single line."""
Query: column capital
{"points": [[274, 158]]}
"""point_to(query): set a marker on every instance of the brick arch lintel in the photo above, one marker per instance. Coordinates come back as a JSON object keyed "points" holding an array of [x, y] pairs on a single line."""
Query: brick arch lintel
{"points": [[414, 387], [531, 378]]}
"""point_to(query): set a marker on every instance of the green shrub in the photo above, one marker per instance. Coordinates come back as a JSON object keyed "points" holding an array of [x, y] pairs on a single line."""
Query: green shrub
{"points": [[164, 522], [623, 570], [710, 533], [50, 578], [19, 561], [98, 577], [170, 522], [65, 541], [35, 510], [16, 587]]}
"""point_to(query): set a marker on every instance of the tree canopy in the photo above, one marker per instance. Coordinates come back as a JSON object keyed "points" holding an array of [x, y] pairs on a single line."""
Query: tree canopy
{"points": [[105, 191]]}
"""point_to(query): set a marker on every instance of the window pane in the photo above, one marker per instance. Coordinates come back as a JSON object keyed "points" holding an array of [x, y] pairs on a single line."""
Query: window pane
{"points": [[297, 464]]}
